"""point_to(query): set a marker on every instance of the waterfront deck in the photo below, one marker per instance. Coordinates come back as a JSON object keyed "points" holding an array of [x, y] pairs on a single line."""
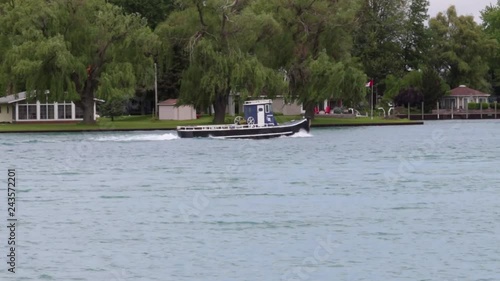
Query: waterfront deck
{"points": [[451, 115]]}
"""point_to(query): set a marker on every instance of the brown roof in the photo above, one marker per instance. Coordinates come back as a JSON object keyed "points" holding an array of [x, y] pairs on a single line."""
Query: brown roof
{"points": [[168, 102], [464, 91]]}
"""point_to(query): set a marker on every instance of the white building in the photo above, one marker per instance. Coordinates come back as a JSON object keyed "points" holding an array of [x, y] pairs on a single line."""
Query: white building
{"points": [[461, 96], [18, 108], [168, 110]]}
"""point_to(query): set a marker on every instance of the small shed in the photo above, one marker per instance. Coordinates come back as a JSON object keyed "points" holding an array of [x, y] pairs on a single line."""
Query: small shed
{"points": [[168, 110]]}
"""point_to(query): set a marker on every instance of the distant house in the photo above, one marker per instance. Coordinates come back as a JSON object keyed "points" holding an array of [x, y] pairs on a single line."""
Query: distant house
{"points": [[18, 108], [461, 96], [168, 110], [286, 108]]}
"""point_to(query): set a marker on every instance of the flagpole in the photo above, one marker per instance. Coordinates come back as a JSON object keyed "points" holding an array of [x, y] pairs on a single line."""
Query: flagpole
{"points": [[371, 99]]}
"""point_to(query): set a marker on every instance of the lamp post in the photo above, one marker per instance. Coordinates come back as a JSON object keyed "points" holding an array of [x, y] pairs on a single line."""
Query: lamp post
{"points": [[47, 105]]}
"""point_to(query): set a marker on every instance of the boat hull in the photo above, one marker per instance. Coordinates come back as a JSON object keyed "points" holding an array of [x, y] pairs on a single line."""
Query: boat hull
{"points": [[243, 131]]}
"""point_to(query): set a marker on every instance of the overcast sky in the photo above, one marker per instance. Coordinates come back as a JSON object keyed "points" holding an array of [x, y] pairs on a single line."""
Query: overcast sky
{"points": [[464, 7]]}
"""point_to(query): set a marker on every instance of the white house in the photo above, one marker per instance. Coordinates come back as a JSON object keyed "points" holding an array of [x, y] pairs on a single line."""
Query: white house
{"points": [[168, 110], [18, 109]]}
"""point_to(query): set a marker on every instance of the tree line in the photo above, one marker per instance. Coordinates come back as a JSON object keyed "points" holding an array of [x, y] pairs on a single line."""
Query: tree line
{"points": [[206, 50]]}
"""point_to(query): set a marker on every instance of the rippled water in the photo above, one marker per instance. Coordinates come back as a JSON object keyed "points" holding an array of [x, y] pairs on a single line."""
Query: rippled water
{"points": [[369, 203]]}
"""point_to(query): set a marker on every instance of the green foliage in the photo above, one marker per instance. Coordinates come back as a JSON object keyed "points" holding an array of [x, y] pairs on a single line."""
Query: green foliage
{"points": [[416, 37], [491, 26], [426, 84], [461, 50], [433, 88], [394, 85], [382, 35], [482, 105], [307, 51], [472, 106], [412, 96], [156, 11], [220, 40], [75, 49], [327, 79], [113, 107], [314, 48]]}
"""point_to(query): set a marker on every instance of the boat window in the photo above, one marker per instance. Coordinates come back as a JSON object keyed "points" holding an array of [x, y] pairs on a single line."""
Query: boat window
{"points": [[267, 108], [261, 109]]}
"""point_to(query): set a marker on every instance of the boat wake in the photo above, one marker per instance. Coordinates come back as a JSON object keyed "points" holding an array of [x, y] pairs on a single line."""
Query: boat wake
{"points": [[301, 134], [147, 137]]}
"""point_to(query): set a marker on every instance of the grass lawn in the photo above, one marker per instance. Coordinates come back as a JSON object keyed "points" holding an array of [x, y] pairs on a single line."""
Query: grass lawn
{"points": [[120, 123], [148, 123]]}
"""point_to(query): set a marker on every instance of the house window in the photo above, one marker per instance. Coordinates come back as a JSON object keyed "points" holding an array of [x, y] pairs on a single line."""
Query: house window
{"points": [[23, 112], [32, 112], [8, 106], [43, 111], [64, 111], [46, 111], [27, 112]]}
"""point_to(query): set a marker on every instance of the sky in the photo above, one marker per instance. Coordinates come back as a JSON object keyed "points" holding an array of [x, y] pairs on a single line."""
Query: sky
{"points": [[464, 7]]}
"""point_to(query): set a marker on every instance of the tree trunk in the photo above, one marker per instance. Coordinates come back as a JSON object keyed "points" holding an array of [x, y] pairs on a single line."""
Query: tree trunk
{"points": [[309, 110], [88, 103], [220, 105]]}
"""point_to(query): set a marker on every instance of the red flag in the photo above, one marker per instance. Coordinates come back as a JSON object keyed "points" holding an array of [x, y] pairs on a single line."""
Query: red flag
{"points": [[369, 84]]}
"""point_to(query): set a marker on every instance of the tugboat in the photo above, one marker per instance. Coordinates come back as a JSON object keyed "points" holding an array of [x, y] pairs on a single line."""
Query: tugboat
{"points": [[258, 123]]}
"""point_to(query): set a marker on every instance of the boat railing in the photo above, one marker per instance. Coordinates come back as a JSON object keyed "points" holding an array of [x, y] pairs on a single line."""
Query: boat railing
{"points": [[223, 127]]}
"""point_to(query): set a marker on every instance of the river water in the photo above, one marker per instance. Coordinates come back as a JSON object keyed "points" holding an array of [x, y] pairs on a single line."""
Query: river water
{"points": [[367, 203]]}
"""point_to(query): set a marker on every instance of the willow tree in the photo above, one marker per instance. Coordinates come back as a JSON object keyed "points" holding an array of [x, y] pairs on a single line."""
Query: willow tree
{"points": [[75, 49], [315, 49], [219, 39]]}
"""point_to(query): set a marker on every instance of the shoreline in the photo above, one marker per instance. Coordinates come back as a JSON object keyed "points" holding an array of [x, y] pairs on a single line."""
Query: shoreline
{"points": [[412, 123], [377, 124]]}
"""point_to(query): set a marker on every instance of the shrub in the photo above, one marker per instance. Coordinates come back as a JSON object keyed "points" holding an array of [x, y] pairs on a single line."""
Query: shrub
{"points": [[473, 106], [485, 105]]}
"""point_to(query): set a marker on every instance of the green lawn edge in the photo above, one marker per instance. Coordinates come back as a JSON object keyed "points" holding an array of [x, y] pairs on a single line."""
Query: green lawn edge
{"points": [[131, 123]]}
